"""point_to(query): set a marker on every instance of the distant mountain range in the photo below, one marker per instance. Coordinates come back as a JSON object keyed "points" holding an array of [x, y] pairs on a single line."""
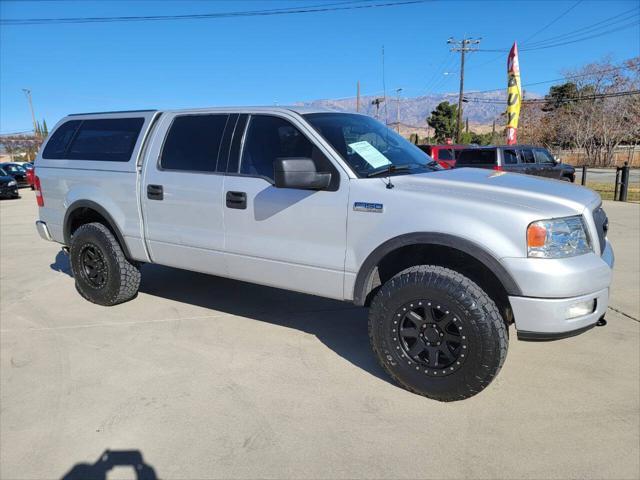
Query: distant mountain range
{"points": [[415, 110]]}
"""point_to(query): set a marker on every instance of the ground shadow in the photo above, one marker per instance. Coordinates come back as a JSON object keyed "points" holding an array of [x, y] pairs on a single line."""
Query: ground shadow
{"points": [[61, 263], [109, 460], [340, 326]]}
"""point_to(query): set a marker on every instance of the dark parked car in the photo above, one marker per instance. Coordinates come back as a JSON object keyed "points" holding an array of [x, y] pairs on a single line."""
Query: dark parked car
{"points": [[517, 158], [8, 186], [445, 155], [16, 171]]}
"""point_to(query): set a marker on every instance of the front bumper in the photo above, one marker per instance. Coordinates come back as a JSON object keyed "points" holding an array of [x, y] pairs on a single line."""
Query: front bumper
{"points": [[546, 318], [543, 317]]}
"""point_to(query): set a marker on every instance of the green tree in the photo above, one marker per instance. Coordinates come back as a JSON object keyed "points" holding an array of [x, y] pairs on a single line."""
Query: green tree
{"points": [[443, 121]]}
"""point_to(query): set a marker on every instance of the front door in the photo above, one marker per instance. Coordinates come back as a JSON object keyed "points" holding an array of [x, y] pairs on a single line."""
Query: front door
{"points": [[286, 238], [546, 163], [182, 197]]}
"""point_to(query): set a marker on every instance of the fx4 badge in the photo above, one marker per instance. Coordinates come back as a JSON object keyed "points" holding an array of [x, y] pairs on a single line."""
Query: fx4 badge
{"points": [[368, 207]]}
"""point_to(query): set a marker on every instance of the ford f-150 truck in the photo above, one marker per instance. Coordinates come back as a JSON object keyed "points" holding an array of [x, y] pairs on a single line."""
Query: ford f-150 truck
{"points": [[335, 205]]}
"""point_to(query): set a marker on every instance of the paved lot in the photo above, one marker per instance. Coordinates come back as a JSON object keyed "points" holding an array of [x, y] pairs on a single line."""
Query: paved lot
{"points": [[207, 377]]}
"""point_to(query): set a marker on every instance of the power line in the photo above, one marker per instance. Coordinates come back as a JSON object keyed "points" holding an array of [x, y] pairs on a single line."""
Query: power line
{"points": [[607, 22], [588, 37], [587, 32], [567, 77], [594, 96], [214, 15], [564, 13], [552, 22], [22, 132]]}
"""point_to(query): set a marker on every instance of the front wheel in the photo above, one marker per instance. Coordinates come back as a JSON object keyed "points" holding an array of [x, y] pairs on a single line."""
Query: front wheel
{"points": [[437, 333], [102, 273]]}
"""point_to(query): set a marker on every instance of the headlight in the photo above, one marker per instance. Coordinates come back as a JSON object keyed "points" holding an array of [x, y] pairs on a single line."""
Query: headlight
{"points": [[12, 183], [558, 238]]}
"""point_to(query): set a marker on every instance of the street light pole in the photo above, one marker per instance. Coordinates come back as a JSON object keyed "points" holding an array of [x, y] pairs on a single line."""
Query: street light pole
{"points": [[27, 92]]}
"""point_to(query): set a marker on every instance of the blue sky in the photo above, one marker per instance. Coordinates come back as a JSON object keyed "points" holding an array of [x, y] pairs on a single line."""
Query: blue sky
{"points": [[284, 59]]}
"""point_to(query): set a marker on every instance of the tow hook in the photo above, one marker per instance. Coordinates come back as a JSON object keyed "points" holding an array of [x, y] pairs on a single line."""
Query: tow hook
{"points": [[602, 322]]}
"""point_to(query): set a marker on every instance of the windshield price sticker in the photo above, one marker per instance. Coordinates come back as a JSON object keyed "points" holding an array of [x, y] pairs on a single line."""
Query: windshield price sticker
{"points": [[370, 154]]}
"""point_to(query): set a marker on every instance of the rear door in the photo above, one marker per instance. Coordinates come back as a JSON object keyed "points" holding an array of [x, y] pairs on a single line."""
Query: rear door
{"points": [[529, 162], [511, 162], [284, 237], [182, 194]]}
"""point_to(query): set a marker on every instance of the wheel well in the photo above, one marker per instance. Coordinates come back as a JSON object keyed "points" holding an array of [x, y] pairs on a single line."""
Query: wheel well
{"points": [[444, 256], [81, 215]]}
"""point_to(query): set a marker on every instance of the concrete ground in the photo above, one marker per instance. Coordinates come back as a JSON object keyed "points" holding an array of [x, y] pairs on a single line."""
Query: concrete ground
{"points": [[211, 378]]}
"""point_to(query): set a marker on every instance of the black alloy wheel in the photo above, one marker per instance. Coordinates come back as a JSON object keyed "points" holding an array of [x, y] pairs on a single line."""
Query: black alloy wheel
{"points": [[430, 335], [94, 267]]}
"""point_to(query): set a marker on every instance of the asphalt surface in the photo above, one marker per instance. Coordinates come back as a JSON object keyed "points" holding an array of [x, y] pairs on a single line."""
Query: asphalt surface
{"points": [[203, 377]]}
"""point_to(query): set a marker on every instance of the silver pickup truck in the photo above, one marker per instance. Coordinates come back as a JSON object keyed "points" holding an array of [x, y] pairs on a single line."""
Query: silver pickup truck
{"points": [[335, 205]]}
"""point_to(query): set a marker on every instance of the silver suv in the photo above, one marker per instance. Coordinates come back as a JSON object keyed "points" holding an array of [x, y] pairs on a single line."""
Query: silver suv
{"points": [[336, 205]]}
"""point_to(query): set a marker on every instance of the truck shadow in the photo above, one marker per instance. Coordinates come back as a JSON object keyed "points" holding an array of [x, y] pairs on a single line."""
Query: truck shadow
{"points": [[340, 326], [109, 460]]}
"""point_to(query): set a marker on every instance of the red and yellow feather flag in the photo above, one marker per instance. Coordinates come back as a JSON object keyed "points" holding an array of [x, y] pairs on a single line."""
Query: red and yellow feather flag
{"points": [[514, 94]]}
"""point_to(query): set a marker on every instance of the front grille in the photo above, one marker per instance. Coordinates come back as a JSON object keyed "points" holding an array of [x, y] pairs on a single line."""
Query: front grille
{"points": [[602, 226]]}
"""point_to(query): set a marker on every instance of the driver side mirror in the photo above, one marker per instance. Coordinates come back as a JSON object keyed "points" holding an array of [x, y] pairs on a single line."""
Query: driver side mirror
{"points": [[556, 159], [299, 173]]}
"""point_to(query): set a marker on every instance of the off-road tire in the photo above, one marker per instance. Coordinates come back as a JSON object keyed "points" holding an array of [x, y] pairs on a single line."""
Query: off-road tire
{"points": [[121, 277], [476, 316]]}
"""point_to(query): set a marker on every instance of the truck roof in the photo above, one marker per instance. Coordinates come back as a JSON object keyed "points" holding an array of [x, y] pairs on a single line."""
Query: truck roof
{"points": [[300, 109]]}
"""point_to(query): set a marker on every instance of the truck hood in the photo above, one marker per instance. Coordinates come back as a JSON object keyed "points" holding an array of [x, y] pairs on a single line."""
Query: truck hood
{"points": [[551, 198]]}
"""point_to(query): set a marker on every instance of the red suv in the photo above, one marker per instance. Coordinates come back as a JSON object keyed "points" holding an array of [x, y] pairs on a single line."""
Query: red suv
{"points": [[445, 155]]}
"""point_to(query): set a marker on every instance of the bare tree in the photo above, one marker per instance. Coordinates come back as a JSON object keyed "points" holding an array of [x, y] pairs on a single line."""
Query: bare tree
{"points": [[23, 145], [599, 121]]}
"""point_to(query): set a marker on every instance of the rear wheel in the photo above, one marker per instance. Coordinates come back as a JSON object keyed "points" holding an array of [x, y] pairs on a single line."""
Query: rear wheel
{"points": [[102, 273], [437, 333]]}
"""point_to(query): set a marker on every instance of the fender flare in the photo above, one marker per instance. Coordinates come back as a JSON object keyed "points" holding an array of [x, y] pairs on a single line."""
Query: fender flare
{"points": [[103, 212], [365, 273]]}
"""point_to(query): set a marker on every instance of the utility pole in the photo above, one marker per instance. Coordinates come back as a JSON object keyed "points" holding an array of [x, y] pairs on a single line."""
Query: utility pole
{"points": [[377, 103], [358, 96], [463, 46], [27, 92], [398, 90]]}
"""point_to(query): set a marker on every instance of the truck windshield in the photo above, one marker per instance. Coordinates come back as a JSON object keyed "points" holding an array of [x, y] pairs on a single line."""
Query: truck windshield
{"points": [[369, 147]]}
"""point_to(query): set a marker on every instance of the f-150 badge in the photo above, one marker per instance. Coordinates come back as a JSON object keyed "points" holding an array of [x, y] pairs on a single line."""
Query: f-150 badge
{"points": [[368, 207]]}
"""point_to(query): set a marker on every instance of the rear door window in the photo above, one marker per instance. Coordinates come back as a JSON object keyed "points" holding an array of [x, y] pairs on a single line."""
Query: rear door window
{"points": [[510, 157], [109, 140], [57, 145], [476, 157], [193, 143]]}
